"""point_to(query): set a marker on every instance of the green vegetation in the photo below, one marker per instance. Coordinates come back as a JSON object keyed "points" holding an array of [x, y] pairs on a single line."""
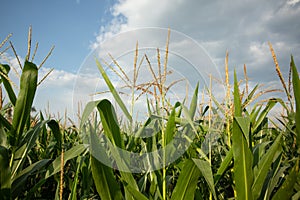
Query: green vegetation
{"points": [[236, 151]]}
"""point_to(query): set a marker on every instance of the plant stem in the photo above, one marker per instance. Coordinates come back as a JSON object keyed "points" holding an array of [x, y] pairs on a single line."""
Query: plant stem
{"points": [[61, 189], [163, 93]]}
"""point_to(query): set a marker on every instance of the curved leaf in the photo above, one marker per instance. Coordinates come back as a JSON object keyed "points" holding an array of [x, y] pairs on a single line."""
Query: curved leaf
{"points": [[263, 167], [28, 84], [4, 69], [113, 91], [106, 185], [25, 146], [187, 181], [205, 168], [286, 189]]}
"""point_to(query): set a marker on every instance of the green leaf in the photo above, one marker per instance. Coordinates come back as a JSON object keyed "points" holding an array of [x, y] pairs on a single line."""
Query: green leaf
{"points": [[187, 181], [54, 126], [106, 185], [5, 123], [194, 102], [286, 189], [5, 175], [205, 168], [190, 135], [243, 174], [88, 109], [112, 131], [224, 165], [263, 167], [54, 167], [244, 124], [73, 195], [4, 69], [250, 96], [104, 179], [19, 182], [243, 158], [170, 128], [113, 91], [3, 135], [134, 192], [276, 176], [28, 84], [109, 122], [257, 123], [26, 145], [296, 88], [236, 98]]}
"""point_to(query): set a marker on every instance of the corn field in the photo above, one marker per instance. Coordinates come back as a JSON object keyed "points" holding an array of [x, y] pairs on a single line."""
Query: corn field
{"points": [[236, 150]]}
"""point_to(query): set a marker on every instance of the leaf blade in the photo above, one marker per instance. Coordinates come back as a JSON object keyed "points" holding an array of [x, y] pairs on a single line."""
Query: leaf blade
{"points": [[113, 91], [243, 174], [28, 85], [187, 182], [205, 168]]}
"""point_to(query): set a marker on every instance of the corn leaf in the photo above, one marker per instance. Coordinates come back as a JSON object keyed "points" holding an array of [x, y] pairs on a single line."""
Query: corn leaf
{"points": [[73, 195], [110, 122], [257, 123], [55, 166], [296, 88], [250, 96], [5, 175], [28, 84], [113, 91], [54, 126], [4, 69], [135, 193], [286, 189], [5, 123], [193, 105], [205, 168], [187, 181], [3, 134], [263, 167], [224, 165], [19, 182], [27, 143], [171, 125], [112, 131], [243, 174], [244, 125], [106, 185]]}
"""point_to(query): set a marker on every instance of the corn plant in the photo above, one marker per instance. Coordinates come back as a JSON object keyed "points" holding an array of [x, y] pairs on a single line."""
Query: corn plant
{"points": [[247, 162], [234, 150], [22, 164]]}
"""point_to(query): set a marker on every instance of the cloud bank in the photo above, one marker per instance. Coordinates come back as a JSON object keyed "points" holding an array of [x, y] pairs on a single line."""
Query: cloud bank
{"points": [[241, 27]]}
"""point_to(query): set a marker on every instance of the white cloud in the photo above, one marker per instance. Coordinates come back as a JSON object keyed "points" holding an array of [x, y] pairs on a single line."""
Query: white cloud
{"points": [[64, 90], [219, 25], [244, 28], [293, 2]]}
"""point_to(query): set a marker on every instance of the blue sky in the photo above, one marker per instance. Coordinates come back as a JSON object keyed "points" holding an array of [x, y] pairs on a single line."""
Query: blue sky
{"points": [[69, 25], [76, 28]]}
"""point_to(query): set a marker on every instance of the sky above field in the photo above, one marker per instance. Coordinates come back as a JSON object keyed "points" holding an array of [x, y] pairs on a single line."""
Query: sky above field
{"points": [[77, 27]]}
